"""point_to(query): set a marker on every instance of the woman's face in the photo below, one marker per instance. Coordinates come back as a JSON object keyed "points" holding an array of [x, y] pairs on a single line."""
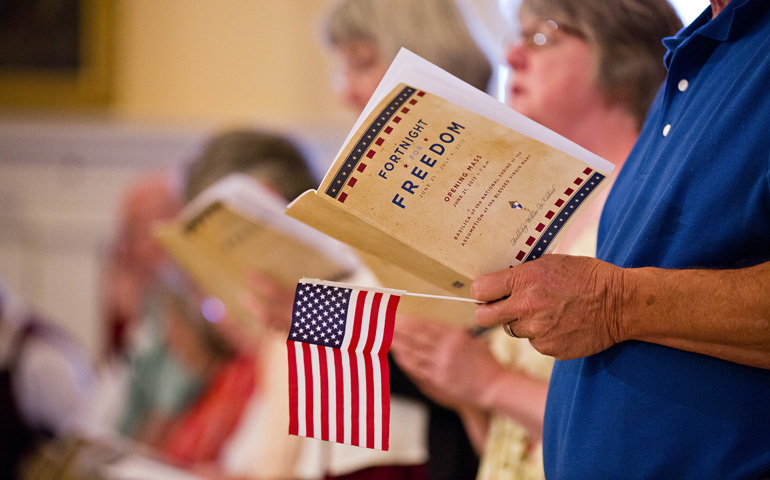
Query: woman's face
{"points": [[360, 70], [553, 80]]}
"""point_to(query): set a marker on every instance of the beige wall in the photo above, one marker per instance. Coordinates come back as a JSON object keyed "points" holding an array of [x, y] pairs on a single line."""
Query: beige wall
{"points": [[223, 60]]}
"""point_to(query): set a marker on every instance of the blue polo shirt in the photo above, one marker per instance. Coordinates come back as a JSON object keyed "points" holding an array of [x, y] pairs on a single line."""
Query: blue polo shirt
{"points": [[694, 193]]}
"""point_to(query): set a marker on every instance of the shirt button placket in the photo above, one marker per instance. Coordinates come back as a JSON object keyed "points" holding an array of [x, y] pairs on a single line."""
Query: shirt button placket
{"points": [[681, 86]]}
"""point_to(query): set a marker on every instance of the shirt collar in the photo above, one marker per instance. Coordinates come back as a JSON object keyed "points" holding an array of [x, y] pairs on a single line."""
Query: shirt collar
{"points": [[730, 22]]}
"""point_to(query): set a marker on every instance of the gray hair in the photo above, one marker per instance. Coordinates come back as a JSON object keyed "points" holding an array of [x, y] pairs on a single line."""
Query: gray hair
{"points": [[627, 35], [433, 29]]}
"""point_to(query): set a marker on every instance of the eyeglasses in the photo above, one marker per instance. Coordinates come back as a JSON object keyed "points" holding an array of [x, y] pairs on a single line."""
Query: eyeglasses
{"points": [[546, 34]]}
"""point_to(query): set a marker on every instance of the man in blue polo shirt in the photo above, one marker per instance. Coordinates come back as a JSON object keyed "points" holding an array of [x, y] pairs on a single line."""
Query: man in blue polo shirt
{"points": [[664, 346]]}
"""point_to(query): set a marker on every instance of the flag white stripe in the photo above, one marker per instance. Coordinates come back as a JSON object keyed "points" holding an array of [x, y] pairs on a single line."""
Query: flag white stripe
{"points": [[377, 377], [332, 413], [347, 395], [361, 397], [346, 380], [300, 389]]}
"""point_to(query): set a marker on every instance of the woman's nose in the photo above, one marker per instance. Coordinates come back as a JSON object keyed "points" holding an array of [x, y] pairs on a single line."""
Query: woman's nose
{"points": [[516, 54], [346, 88]]}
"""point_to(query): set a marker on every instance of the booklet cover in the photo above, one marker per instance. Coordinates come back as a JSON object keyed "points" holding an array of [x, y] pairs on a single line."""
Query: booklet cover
{"points": [[237, 227], [447, 183]]}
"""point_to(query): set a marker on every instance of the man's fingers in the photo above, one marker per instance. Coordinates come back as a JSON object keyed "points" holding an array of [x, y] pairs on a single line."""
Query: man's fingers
{"points": [[496, 313], [493, 286]]}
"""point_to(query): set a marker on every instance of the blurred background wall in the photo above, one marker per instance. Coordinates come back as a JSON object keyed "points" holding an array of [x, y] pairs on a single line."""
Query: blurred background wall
{"points": [[232, 59], [154, 80]]}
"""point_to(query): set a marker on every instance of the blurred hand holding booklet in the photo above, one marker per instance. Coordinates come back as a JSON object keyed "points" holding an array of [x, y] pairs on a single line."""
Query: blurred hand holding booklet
{"points": [[447, 183], [237, 227]]}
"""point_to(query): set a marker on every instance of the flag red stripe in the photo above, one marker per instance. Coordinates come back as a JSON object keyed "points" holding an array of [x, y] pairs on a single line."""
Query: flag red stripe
{"points": [[323, 368], [293, 390], [390, 320], [308, 389], [373, 317], [340, 395], [385, 388]]}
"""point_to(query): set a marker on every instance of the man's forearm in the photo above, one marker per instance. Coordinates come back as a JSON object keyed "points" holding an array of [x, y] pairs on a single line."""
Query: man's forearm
{"points": [[721, 313]]}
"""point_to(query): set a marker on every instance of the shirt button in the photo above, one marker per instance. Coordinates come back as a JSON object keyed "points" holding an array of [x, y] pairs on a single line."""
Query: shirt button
{"points": [[683, 84], [666, 129]]}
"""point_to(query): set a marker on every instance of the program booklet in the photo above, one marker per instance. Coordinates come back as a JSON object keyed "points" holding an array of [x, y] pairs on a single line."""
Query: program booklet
{"points": [[447, 183], [236, 227]]}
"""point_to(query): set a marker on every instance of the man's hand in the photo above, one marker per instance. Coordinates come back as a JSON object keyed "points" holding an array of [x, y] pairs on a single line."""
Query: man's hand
{"points": [[569, 307]]}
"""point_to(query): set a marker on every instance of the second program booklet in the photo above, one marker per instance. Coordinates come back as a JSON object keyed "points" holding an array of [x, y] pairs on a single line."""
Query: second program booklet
{"points": [[444, 191], [237, 227]]}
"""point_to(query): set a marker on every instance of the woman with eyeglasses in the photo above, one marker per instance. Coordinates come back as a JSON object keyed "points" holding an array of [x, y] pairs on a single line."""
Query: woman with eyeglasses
{"points": [[589, 71]]}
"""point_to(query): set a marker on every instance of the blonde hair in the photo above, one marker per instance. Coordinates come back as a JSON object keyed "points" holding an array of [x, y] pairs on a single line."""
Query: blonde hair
{"points": [[433, 29], [627, 35]]}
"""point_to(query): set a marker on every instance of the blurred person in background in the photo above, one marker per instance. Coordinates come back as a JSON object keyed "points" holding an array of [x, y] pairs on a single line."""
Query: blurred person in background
{"points": [[47, 381], [366, 35], [237, 427], [142, 292], [588, 72], [135, 256], [172, 380], [160, 352], [131, 273]]}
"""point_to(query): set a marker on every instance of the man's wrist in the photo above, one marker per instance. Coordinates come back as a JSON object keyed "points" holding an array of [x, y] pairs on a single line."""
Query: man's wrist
{"points": [[621, 300], [634, 302]]}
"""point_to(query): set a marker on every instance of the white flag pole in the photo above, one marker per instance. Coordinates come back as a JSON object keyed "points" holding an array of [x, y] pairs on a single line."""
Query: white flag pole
{"points": [[442, 297], [315, 281]]}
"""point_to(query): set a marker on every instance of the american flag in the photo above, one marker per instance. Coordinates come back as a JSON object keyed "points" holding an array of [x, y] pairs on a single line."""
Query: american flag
{"points": [[339, 385]]}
